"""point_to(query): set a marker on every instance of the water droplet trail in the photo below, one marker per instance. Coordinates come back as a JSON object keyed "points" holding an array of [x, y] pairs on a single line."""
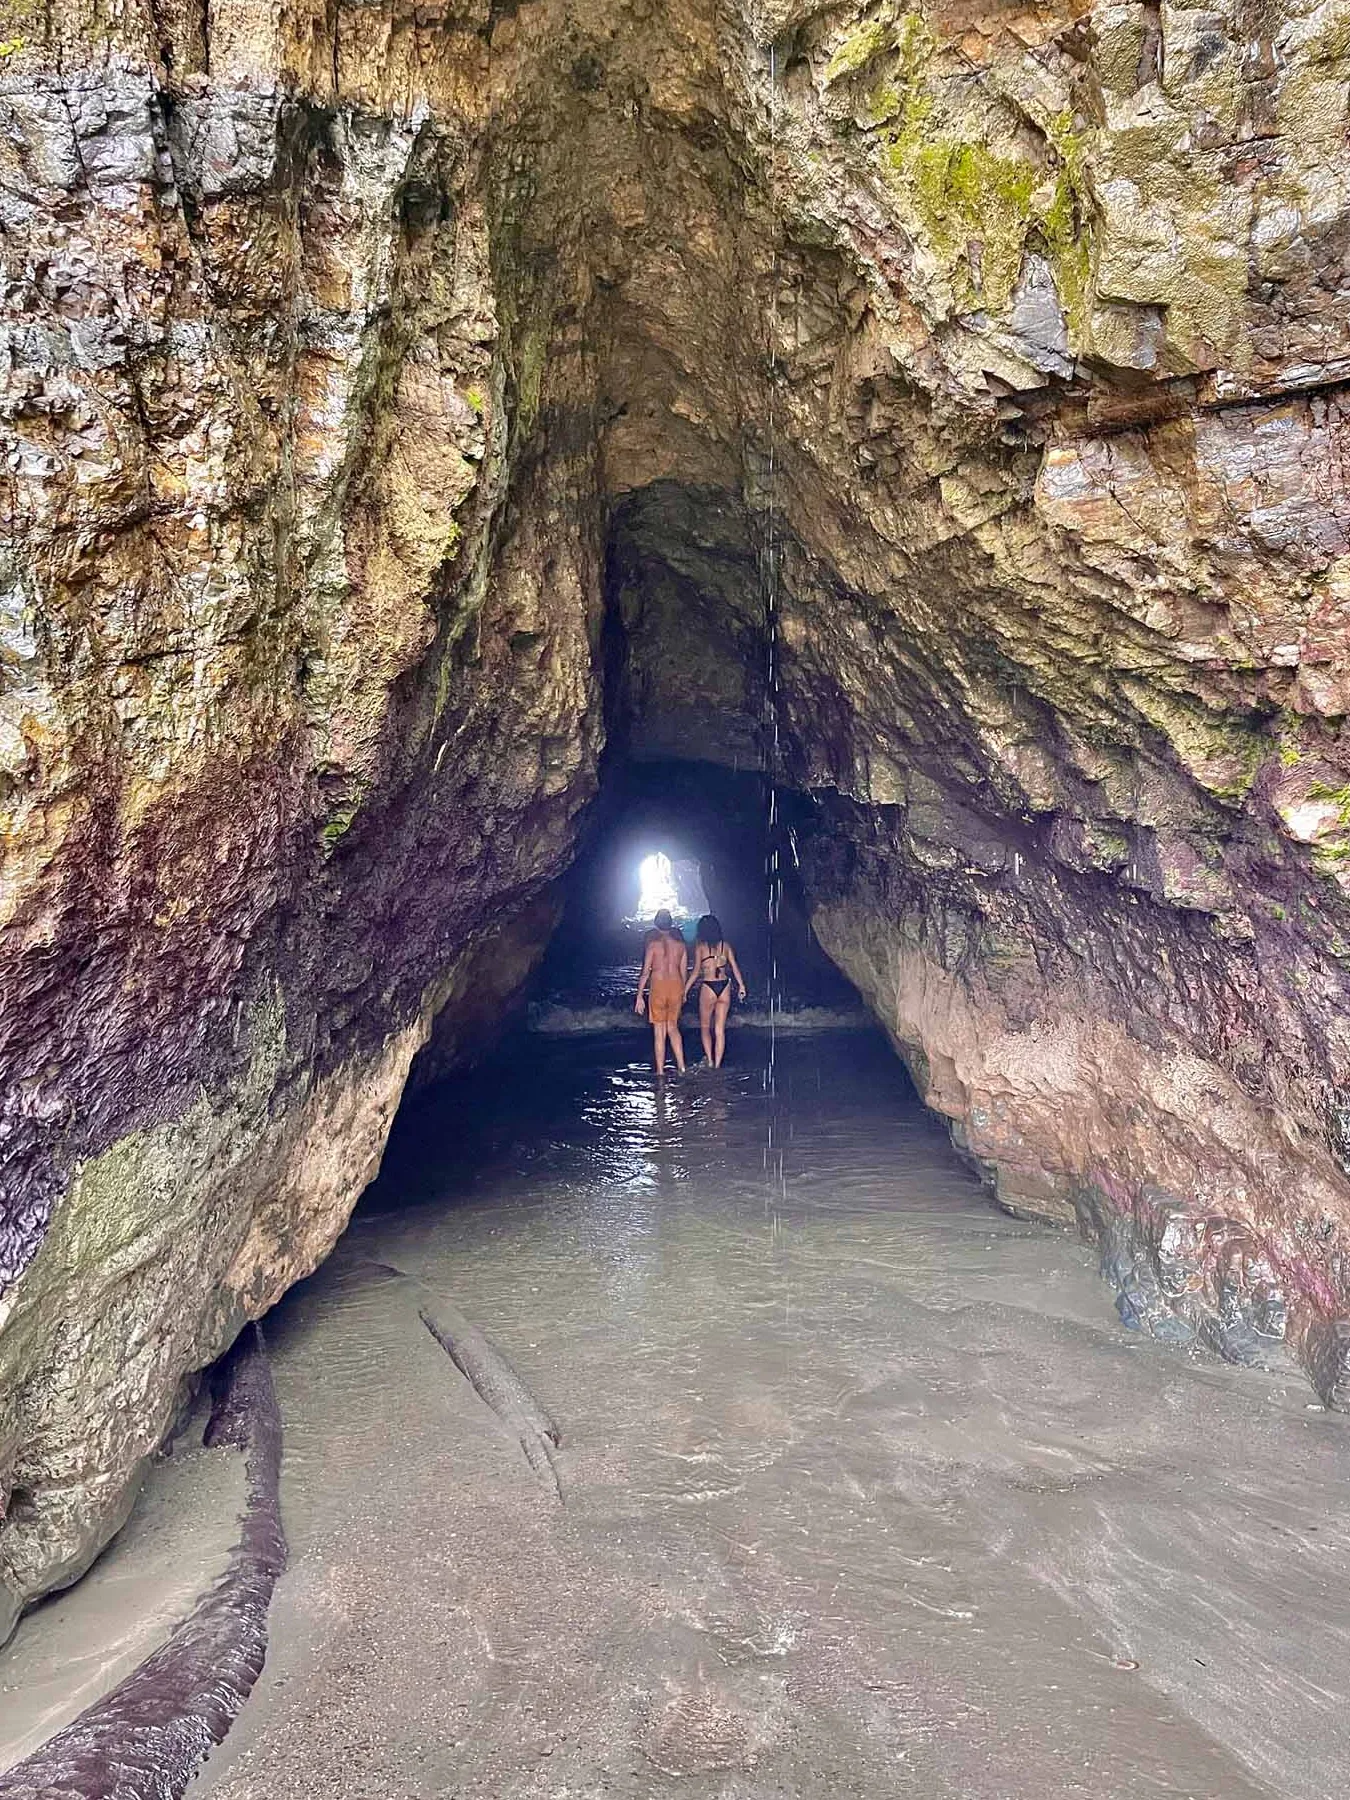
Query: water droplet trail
{"points": [[769, 579]]}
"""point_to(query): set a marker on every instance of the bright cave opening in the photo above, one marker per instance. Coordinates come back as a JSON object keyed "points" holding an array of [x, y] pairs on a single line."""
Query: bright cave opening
{"points": [[668, 884]]}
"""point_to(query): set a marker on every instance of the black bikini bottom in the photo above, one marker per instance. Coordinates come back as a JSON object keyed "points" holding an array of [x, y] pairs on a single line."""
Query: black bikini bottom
{"points": [[717, 988]]}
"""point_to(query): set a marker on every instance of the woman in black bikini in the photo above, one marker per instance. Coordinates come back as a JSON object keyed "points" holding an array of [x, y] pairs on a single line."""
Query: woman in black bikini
{"points": [[715, 968]]}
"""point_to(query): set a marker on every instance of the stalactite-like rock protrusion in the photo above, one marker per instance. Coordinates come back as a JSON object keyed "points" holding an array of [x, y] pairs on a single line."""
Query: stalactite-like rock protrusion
{"points": [[352, 364]]}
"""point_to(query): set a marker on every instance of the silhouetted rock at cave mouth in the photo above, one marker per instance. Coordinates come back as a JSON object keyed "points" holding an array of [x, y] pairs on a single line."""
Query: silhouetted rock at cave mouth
{"points": [[402, 417]]}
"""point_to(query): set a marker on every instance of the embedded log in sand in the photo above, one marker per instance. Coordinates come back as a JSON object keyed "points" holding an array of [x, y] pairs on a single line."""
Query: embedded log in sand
{"points": [[147, 1738]]}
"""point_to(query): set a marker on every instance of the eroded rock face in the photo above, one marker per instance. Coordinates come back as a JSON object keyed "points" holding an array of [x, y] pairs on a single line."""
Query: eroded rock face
{"points": [[995, 352], [299, 701], [1053, 441], [1077, 626]]}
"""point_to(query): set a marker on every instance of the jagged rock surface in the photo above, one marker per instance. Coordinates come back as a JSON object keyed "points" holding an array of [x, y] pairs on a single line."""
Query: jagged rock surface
{"points": [[299, 699], [1001, 346]]}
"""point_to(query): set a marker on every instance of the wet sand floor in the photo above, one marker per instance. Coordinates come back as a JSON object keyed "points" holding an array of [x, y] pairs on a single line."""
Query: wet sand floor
{"points": [[76, 1646], [864, 1489]]}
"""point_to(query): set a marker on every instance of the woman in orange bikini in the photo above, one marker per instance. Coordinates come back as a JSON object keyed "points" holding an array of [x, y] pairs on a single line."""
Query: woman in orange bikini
{"points": [[715, 968]]}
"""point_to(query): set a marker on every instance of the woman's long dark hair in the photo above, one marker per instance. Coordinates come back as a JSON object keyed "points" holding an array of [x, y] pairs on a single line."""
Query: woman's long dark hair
{"points": [[710, 931]]}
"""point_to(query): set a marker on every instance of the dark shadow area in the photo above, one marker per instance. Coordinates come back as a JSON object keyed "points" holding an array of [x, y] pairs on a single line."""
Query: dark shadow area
{"points": [[685, 650], [522, 1109], [717, 819]]}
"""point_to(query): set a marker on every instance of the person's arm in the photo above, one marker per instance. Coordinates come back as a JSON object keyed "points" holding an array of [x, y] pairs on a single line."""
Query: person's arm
{"points": [[644, 978], [691, 970], [736, 971]]}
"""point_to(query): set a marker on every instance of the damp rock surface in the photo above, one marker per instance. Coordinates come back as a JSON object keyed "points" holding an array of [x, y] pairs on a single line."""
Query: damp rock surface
{"points": [[862, 1490], [401, 404], [143, 1737]]}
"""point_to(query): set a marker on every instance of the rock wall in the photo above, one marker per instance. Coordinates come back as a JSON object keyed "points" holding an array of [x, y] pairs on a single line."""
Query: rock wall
{"points": [[995, 350], [1030, 347], [1064, 649], [298, 700]]}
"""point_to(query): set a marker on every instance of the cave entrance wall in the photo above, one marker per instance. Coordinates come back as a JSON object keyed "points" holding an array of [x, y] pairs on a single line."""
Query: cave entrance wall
{"points": [[339, 347]]}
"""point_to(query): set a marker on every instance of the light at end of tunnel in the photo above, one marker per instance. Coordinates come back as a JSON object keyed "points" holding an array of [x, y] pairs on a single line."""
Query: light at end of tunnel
{"points": [[675, 885], [656, 887]]}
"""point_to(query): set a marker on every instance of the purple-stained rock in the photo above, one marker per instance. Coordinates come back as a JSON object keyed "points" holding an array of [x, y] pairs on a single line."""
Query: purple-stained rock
{"points": [[383, 399]]}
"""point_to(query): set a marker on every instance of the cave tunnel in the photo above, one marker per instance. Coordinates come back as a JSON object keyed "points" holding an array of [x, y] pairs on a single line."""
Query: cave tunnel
{"points": [[475, 476]]}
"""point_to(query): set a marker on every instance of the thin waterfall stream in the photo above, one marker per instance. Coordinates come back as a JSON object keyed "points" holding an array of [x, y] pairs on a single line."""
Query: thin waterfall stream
{"points": [[774, 1162]]}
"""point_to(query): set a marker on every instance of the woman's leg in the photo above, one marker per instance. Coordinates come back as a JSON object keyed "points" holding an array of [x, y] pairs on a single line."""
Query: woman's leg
{"points": [[720, 1028], [706, 1002]]}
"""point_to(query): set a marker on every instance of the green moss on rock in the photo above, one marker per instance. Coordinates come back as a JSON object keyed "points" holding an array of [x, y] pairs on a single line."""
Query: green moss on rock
{"points": [[858, 49], [336, 827], [531, 355], [901, 97], [1220, 752], [963, 191], [1068, 248], [960, 190]]}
